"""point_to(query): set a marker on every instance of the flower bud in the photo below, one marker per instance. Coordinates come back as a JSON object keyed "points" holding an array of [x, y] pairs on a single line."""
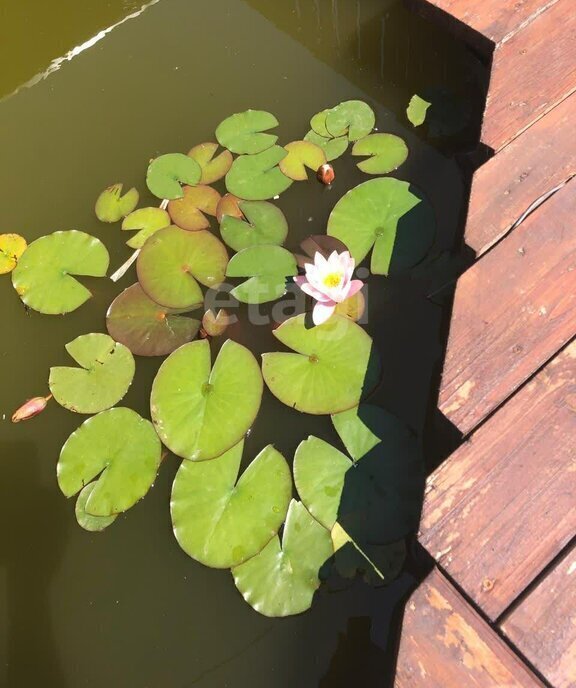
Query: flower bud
{"points": [[30, 408], [325, 174]]}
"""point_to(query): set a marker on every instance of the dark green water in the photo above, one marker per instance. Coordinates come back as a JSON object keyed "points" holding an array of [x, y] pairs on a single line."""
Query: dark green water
{"points": [[127, 608]]}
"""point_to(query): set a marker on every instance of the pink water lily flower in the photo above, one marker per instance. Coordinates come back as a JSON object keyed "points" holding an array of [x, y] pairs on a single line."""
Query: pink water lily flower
{"points": [[330, 282]]}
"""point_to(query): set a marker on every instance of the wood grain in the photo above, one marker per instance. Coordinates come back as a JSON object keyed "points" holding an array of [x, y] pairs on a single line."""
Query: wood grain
{"points": [[512, 311], [502, 506], [445, 644], [531, 72], [543, 627], [533, 164]]}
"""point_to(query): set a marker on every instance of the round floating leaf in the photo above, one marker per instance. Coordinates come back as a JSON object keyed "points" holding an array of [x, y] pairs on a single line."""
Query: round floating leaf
{"points": [[361, 428], [122, 449], [147, 221], [258, 177], [221, 521], [172, 260], [189, 212], [334, 367], [318, 124], [267, 267], [213, 168], [390, 215], [228, 205], [111, 206], [333, 147], [265, 224], [281, 580], [43, 276], [387, 152], [106, 372], [12, 246], [302, 154], [242, 133], [353, 118], [318, 243], [94, 524], [201, 411], [215, 325], [145, 327], [167, 172], [416, 110]]}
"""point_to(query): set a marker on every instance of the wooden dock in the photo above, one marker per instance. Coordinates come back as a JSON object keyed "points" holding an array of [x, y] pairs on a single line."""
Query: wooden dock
{"points": [[499, 519]]}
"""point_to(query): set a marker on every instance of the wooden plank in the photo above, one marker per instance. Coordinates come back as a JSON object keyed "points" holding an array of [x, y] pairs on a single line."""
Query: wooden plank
{"points": [[543, 627], [512, 311], [502, 506], [530, 166], [446, 644], [531, 72]]}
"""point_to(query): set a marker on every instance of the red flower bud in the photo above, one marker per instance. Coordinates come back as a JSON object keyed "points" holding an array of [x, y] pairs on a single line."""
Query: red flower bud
{"points": [[30, 408], [325, 174]]}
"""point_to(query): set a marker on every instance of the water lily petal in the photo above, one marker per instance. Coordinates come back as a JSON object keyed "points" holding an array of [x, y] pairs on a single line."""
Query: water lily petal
{"points": [[322, 311], [355, 286], [309, 289]]}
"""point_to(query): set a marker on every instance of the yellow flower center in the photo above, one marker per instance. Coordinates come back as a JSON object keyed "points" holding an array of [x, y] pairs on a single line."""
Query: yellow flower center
{"points": [[332, 279]]}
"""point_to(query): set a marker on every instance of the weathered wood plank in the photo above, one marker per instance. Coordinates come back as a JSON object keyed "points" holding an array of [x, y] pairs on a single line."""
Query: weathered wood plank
{"points": [[531, 72], [502, 506], [533, 164], [543, 626], [512, 311], [445, 644]]}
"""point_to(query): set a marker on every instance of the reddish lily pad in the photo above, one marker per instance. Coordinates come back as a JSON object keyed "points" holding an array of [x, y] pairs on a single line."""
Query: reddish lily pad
{"points": [[112, 206], [302, 155], [243, 133], [189, 212], [228, 205], [147, 221], [213, 168], [12, 246], [386, 153], [167, 172], [265, 224], [215, 324], [258, 177]]}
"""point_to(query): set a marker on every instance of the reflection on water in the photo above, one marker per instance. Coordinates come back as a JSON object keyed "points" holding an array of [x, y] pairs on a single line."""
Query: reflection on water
{"points": [[127, 607]]}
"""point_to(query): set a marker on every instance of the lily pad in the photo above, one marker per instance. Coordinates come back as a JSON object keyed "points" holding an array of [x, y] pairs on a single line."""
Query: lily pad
{"points": [[387, 152], [318, 124], [318, 243], [353, 118], [121, 449], [416, 110], [353, 307], [301, 155], [112, 206], [94, 524], [189, 212], [12, 246], [361, 428], [220, 520], [281, 580], [215, 324], [389, 215], [267, 267], [172, 260], [334, 368], [44, 278], [106, 372], [228, 205], [213, 168], [333, 147], [242, 133], [258, 177], [147, 221], [145, 327], [265, 224], [200, 410], [167, 172]]}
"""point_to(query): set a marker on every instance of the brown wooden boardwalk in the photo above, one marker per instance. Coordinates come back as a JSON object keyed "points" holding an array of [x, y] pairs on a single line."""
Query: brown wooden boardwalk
{"points": [[499, 609]]}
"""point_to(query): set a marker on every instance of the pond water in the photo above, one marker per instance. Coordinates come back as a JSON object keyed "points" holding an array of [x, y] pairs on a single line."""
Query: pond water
{"points": [[127, 607]]}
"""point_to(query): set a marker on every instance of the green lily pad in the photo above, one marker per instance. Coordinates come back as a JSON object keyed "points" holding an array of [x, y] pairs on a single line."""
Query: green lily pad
{"points": [[94, 524], [213, 168], [106, 372], [242, 133], [12, 246], [145, 327], [361, 428], [334, 368], [389, 215], [301, 155], [120, 448], [318, 243], [282, 579], [416, 110], [173, 259], [147, 221], [167, 172], [111, 206], [267, 267], [220, 520], [387, 152], [333, 147], [353, 118], [200, 410], [44, 278], [189, 212], [258, 177], [318, 124], [265, 224]]}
